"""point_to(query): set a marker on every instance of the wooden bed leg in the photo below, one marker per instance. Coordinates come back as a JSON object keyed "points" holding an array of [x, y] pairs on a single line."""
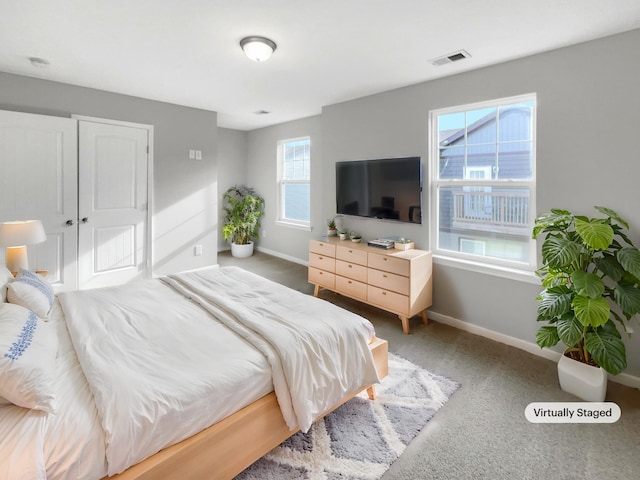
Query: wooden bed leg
{"points": [[316, 289], [425, 320], [405, 324], [371, 392]]}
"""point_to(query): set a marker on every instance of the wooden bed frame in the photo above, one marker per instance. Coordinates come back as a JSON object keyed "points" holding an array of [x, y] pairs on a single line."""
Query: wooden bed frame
{"points": [[226, 448]]}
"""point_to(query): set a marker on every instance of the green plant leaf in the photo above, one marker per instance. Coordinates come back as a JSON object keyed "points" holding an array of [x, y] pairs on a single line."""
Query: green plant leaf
{"points": [[559, 252], [629, 258], [547, 337], [609, 265], [592, 312], [587, 284], [594, 233], [554, 302], [611, 213], [569, 330], [607, 349], [556, 220], [628, 297]]}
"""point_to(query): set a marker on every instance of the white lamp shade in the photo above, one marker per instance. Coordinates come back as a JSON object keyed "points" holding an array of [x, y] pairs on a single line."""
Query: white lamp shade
{"points": [[258, 49], [17, 234]]}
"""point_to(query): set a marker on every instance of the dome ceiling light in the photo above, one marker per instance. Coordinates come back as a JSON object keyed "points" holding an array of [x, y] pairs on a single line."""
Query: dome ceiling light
{"points": [[258, 49]]}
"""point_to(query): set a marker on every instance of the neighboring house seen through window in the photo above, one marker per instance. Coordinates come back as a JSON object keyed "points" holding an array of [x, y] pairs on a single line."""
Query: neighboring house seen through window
{"points": [[294, 180], [482, 166]]}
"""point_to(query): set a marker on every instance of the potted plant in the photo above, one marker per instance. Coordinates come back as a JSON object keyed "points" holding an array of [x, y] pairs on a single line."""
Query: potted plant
{"points": [[243, 209], [355, 236], [591, 278], [332, 230], [342, 234]]}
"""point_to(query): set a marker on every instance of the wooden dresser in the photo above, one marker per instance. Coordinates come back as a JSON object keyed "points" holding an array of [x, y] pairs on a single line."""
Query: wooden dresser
{"points": [[398, 281]]}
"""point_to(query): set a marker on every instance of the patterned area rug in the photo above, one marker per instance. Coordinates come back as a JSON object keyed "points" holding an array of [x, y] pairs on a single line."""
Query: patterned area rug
{"points": [[362, 438]]}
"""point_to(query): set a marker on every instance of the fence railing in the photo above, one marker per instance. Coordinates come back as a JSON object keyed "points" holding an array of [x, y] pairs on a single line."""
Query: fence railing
{"points": [[507, 209]]}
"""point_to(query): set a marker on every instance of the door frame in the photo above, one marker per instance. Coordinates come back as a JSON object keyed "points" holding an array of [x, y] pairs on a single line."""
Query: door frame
{"points": [[149, 230]]}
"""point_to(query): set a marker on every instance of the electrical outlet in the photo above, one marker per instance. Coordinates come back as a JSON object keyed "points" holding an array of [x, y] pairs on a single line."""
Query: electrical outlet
{"points": [[192, 154], [197, 250], [198, 154]]}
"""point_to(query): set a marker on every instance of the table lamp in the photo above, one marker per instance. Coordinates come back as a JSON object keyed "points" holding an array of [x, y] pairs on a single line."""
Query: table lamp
{"points": [[15, 236]]}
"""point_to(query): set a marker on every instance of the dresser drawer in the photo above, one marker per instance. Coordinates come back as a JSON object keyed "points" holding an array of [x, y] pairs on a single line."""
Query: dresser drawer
{"points": [[351, 288], [351, 270], [399, 266], [322, 248], [388, 281], [322, 262], [322, 278], [388, 300], [351, 255]]}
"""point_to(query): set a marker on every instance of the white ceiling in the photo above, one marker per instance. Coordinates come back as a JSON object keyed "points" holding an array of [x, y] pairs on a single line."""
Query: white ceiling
{"points": [[187, 51]]}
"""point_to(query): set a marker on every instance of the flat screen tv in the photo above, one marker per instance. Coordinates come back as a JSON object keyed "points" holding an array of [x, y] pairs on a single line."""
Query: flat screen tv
{"points": [[388, 188]]}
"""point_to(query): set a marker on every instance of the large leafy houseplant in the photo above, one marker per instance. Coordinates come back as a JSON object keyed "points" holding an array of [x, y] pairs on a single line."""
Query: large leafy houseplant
{"points": [[591, 280], [243, 209]]}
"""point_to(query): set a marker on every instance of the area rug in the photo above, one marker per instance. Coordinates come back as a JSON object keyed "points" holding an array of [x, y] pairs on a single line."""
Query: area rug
{"points": [[362, 438]]}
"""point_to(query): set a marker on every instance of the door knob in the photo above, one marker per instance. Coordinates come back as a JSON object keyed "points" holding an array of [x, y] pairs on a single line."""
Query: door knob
{"points": [[69, 222], [84, 220]]}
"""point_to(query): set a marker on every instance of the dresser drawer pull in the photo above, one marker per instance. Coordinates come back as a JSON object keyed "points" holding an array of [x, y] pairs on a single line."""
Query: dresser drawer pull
{"points": [[384, 275], [349, 281], [350, 266], [321, 273], [320, 258], [384, 293], [350, 251], [384, 258]]}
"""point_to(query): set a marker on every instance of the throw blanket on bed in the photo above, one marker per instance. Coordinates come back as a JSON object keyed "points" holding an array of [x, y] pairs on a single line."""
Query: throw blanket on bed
{"points": [[318, 352], [149, 355]]}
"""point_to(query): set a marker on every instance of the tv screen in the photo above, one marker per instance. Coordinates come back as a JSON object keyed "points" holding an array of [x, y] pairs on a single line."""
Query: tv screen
{"points": [[389, 188]]}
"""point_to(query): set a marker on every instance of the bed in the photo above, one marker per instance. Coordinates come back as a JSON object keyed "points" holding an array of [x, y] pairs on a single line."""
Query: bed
{"points": [[195, 375]]}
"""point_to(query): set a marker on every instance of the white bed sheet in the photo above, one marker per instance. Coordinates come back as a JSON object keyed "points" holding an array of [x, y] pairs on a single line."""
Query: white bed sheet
{"points": [[160, 368]]}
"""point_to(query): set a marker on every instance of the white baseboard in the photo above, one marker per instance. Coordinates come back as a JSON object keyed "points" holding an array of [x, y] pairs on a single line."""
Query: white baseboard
{"points": [[283, 256], [623, 378]]}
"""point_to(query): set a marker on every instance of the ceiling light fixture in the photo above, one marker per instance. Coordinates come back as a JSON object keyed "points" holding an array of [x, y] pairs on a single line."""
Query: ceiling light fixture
{"points": [[258, 49]]}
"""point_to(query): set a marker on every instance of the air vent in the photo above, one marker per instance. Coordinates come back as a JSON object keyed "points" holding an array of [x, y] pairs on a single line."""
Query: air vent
{"points": [[450, 58]]}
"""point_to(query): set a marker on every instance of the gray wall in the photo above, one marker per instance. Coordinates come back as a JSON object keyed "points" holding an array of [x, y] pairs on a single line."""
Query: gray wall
{"points": [[588, 104], [184, 191], [232, 170], [290, 242]]}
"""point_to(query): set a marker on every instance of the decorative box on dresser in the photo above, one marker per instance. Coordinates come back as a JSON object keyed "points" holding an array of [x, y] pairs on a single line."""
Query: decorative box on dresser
{"points": [[398, 281]]}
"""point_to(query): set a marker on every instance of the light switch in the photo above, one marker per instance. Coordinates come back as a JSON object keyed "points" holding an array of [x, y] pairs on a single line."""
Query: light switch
{"points": [[198, 154], [192, 154]]}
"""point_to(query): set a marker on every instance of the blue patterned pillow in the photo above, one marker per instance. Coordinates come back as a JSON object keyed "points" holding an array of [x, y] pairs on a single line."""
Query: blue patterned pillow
{"points": [[32, 291], [28, 350]]}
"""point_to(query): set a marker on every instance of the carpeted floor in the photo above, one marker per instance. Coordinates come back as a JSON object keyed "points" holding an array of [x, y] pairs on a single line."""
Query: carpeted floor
{"points": [[481, 432]]}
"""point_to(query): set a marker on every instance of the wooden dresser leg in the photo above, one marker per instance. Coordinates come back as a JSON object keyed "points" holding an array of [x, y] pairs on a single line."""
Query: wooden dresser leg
{"points": [[316, 289], [425, 320], [405, 324], [371, 392]]}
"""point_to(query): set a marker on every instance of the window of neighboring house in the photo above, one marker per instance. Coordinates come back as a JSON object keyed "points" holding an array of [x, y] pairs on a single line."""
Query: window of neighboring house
{"points": [[482, 182], [294, 182]]}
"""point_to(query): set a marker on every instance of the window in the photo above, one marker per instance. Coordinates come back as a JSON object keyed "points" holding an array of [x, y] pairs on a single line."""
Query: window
{"points": [[294, 181], [482, 182]]}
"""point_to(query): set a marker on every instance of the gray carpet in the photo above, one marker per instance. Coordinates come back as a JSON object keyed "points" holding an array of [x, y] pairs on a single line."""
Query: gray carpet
{"points": [[481, 432], [360, 439]]}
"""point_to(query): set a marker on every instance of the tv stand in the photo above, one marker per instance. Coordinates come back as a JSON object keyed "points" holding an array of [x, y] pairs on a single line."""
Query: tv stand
{"points": [[398, 281]]}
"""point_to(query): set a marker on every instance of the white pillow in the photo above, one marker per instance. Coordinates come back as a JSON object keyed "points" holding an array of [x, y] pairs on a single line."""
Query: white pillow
{"points": [[5, 277], [28, 351], [32, 291]]}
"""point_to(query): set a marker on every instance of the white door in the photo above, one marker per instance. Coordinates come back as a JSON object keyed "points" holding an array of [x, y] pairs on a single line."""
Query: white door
{"points": [[38, 181], [112, 203]]}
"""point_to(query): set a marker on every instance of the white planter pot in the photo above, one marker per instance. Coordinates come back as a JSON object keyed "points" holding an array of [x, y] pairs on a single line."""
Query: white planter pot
{"points": [[582, 380], [242, 251]]}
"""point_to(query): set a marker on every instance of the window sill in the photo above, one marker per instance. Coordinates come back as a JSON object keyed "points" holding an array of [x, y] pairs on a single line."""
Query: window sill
{"points": [[297, 226], [519, 275]]}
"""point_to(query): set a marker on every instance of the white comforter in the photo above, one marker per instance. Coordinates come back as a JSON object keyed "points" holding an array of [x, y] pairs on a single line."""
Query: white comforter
{"points": [[318, 352], [152, 357]]}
